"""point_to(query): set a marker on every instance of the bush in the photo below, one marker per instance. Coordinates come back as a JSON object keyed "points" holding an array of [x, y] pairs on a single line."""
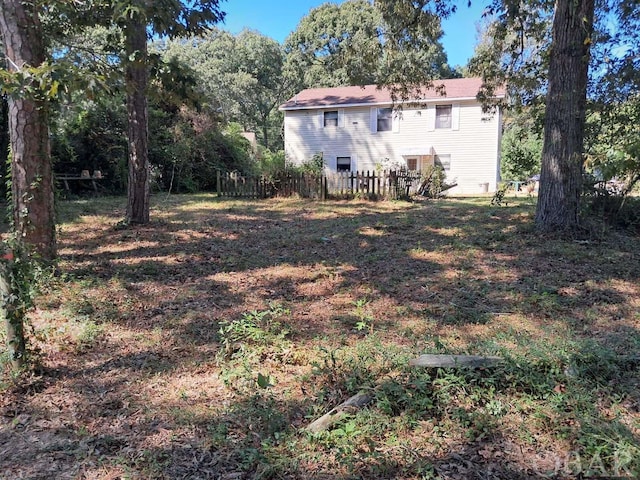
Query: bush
{"points": [[521, 153], [189, 149], [186, 145], [270, 164], [432, 182], [611, 207], [93, 136], [314, 165]]}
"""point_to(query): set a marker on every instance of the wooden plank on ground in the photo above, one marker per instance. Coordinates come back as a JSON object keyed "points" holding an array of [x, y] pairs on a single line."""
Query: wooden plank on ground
{"points": [[351, 405], [453, 361]]}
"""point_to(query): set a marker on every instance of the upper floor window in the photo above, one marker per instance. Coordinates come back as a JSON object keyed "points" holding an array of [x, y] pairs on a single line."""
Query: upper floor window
{"points": [[331, 118], [443, 116], [385, 119]]}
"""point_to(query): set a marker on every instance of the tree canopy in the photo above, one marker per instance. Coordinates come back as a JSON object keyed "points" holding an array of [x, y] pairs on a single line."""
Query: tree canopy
{"points": [[527, 55], [360, 43], [241, 75]]}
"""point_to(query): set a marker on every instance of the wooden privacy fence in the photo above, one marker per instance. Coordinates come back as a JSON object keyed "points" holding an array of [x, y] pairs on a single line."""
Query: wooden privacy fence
{"points": [[369, 184]]}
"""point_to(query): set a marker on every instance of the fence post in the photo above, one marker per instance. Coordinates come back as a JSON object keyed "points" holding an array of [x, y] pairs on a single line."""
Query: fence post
{"points": [[218, 183], [386, 182]]}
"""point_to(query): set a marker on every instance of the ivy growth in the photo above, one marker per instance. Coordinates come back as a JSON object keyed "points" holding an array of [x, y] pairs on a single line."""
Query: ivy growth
{"points": [[21, 275]]}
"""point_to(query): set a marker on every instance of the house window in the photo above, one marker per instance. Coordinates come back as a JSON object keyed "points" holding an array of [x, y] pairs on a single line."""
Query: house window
{"points": [[443, 116], [331, 118], [443, 161], [412, 164], [385, 119], [343, 164]]}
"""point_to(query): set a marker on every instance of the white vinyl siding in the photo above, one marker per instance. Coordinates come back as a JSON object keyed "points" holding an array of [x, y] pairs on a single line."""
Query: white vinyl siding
{"points": [[472, 141]]}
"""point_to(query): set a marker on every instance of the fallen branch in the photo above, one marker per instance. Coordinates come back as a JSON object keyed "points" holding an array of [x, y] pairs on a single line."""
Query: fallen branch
{"points": [[351, 405], [362, 399], [453, 361]]}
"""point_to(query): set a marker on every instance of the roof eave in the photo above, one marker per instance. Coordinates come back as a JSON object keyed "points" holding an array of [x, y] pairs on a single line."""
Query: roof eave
{"points": [[284, 108]]}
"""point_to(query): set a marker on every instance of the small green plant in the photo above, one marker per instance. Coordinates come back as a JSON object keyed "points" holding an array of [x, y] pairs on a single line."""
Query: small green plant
{"points": [[88, 335], [256, 328], [498, 197], [247, 341], [265, 381], [341, 371], [365, 319]]}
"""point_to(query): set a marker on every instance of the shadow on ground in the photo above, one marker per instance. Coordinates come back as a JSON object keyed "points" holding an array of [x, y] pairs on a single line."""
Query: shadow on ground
{"points": [[158, 391]]}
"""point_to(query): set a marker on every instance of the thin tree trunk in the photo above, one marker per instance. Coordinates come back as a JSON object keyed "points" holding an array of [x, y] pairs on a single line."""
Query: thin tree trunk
{"points": [[4, 132], [32, 179], [265, 131], [13, 319], [562, 153], [136, 84]]}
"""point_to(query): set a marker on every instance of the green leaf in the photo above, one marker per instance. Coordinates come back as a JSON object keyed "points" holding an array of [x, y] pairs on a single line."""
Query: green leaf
{"points": [[264, 381], [53, 91]]}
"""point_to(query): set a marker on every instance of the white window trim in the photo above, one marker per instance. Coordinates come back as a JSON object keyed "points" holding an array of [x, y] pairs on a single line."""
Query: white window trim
{"points": [[340, 118], [431, 118], [353, 162], [373, 120], [455, 117]]}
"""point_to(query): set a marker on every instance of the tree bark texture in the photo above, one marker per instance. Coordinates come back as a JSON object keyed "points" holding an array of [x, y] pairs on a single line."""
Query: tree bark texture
{"points": [[136, 84], [562, 152], [31, 172]]}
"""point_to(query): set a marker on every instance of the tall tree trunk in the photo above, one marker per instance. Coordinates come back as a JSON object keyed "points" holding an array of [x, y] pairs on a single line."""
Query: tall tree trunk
{"points": [[562, 159], [32, 180], [136, 83]]}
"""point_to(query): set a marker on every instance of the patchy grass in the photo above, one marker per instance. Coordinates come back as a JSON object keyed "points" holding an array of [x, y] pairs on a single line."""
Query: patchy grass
{"points": [[202, 344]]}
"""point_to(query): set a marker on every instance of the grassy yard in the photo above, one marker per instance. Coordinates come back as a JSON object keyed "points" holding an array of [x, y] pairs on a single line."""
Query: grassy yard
{"points": [[201, 345]]}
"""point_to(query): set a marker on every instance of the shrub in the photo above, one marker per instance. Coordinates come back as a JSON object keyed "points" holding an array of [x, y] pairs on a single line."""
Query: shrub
{"points": [[270, 164], [432, 182], [521, 153]]}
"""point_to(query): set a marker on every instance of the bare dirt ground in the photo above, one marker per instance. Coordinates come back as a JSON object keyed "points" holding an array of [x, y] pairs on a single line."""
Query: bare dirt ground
{"points": [[201, 345]]}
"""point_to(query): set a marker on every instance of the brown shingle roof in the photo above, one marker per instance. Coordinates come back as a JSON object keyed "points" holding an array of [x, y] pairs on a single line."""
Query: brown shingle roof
{"points": [[370, 94]]}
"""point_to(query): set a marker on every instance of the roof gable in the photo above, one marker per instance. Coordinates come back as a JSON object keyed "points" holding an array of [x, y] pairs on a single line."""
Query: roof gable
{"points": [[452, 89]]}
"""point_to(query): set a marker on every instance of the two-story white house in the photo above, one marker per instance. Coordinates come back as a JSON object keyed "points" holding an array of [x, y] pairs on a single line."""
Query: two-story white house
{"points": [[357, 128]]}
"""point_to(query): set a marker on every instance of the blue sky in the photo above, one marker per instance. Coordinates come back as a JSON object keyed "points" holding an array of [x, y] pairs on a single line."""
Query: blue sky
{"points": [[278, 18]]}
